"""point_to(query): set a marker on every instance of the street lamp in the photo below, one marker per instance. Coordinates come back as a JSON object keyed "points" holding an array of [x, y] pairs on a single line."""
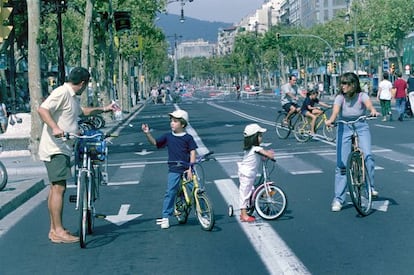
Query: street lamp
{"points": [[182, 3]]}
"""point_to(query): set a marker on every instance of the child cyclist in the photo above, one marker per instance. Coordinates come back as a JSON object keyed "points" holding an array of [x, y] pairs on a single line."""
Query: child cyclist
{"points": [[253, 136], [309, 109], [181, 147]]}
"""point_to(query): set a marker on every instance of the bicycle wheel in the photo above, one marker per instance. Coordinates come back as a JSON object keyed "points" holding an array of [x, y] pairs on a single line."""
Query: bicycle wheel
{"points": [[270, 202], [94, 182], [3, 176], [204, 211], [329, 132], [358, 183], [181, 210], [83, 208], [282, 129], [302, 129]]}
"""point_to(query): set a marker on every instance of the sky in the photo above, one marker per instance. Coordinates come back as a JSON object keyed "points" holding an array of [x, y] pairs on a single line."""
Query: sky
{"points": [[228, 11]]}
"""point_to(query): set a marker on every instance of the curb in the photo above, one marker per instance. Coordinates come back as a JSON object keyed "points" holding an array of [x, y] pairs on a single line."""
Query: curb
{"points": [[18, 191], [29, 190]]}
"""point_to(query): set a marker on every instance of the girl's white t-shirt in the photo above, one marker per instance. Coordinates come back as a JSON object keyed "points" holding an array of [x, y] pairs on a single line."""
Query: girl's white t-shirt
{"points": [[250, 163]]}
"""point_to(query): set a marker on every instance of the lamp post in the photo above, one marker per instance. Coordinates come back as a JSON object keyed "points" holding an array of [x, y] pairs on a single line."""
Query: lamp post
{"points": [[354, 19]]}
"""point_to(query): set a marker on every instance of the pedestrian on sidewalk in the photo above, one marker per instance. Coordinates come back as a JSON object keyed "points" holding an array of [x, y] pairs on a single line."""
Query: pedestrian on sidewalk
{"points": [[59, 113], [384, 96], [400, 95], [181, 148]]}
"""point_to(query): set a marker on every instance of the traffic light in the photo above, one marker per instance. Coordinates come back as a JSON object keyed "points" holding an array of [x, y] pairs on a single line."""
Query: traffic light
{"points": [[392, 69], [334, 67], [277, 36], [329, 67], [5, 13], [302, 73]]}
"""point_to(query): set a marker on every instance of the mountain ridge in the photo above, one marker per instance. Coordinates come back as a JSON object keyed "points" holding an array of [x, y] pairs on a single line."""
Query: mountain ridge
{"points": [[189, 30]]}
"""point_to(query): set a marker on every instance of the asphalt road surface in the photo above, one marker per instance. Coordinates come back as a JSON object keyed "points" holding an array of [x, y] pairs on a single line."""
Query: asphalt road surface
{"points": [[308, 238]]}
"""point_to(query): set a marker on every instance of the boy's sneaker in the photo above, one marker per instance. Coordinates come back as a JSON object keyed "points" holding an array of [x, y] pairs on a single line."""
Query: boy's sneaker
{"points": [[164, 223], [336, 206]]}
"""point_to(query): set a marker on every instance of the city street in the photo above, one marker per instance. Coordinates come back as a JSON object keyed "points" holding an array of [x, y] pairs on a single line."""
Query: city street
{"points": [[307, 239]]}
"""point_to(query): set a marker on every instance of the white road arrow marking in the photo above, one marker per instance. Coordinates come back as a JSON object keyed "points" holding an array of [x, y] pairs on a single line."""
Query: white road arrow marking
{"points": [[123, 216], [143, 152], [380, 205]]}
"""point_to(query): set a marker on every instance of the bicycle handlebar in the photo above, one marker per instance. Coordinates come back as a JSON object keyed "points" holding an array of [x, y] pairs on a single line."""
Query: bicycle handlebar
{"points": [[263, 155], [67, 136], [363, 117], [199, 159]]}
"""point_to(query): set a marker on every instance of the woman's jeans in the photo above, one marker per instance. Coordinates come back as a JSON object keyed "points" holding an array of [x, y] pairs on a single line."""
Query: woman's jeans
{"points": [[169, 198], [343, 148]]}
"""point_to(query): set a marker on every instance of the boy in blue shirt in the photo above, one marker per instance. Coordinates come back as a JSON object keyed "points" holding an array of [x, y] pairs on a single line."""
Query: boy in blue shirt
{"points": [[309, 109], [181, 147]]}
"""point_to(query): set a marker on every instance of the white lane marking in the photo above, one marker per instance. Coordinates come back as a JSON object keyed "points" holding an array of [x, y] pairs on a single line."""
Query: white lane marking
{"points": [[380, 205], [112, 183], [131, 166], [122, 216], [276, 255], [117, 183], [384, 126]]}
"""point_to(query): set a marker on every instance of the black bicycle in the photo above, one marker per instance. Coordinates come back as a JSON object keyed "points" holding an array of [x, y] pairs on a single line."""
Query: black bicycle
{"points": [[285, 127]]}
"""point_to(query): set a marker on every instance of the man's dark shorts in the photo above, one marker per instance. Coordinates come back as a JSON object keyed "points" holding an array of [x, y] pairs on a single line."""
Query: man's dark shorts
{"points": [[58, 169], [286, 107]]}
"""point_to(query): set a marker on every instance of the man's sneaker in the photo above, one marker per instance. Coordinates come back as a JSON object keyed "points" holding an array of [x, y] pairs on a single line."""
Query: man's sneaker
{"points": [[164, 223], [374, 193], [336, 206]]}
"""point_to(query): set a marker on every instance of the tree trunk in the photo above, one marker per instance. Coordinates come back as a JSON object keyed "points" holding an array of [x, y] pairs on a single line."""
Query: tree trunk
{"points": [[35, 87], [85, 61]]}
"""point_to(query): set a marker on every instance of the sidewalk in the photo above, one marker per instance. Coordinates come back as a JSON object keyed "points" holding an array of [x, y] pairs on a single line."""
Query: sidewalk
{"points": [[26, 176]]}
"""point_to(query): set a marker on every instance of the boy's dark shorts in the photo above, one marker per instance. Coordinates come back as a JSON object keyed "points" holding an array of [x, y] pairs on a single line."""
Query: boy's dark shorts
{"points": [[286, 107], [58, 169]]}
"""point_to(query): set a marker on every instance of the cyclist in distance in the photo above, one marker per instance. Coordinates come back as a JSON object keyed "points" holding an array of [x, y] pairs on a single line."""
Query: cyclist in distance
{"points": [[253, 136], [309, 109], [349, 104], [181, 147], [60, 112], [289, 97]]}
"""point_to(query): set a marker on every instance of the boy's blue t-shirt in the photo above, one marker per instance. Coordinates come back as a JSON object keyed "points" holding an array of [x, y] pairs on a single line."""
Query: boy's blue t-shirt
{"points": [[308, 101], [179, 148]]}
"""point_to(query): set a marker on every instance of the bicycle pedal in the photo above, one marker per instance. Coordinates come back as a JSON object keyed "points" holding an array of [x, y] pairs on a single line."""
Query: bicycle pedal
{"points": [[100, 216], [72, 198]]}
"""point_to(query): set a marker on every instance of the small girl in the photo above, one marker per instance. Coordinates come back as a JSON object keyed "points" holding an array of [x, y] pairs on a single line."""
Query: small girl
{"points": [[253, 135]]}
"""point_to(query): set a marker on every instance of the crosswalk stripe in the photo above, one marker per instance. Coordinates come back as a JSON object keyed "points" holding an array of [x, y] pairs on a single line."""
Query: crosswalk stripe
{"points": [[276, 255]]}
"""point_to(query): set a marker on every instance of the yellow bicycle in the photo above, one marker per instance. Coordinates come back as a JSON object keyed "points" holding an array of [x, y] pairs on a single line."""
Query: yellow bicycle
{"points": [[191, 192], [303, 128]]}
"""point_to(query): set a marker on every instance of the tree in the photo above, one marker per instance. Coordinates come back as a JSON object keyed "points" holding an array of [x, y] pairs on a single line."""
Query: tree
{"points": [[35, 87]]}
